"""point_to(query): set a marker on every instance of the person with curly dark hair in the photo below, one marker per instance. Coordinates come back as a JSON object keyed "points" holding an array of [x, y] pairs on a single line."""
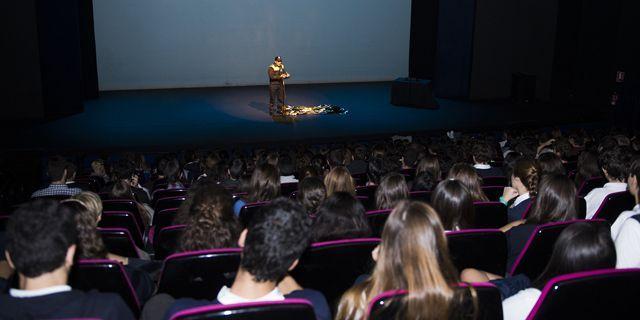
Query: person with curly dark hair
{"points": [[211, 223], [614, 163], [41, 244], [271, 246], [311, 194], [341, 216]]}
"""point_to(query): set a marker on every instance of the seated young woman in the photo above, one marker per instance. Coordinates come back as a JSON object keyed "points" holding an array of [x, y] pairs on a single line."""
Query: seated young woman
{"points": [[524, 182], [341, 216], [87, 208], [580, 247], [311, 194], [211, 223], [339, 180], [454, 205], [466, 174], [392, 189], [413, 256], [263, 186]]}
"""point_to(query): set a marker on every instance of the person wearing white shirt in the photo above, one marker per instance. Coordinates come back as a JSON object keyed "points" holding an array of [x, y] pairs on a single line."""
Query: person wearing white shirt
{"points": [[625, 231], [614, 169]]}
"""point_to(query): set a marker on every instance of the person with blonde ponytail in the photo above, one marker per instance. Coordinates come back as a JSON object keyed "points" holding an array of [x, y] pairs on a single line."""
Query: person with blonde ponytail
{"points": [[413, 256], [211, 223]]}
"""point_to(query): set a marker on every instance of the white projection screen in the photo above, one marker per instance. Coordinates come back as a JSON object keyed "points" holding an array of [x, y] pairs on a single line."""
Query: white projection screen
{"points": [[143, 44]]}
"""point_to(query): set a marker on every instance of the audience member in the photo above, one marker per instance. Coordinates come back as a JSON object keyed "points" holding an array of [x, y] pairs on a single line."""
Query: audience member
{"points": [[391, 190], [263, 186], [287, 169], [41, 245], [311, 194], [550, 163], [339, 180], [587, 167], [341, 216], [614, 166], [626, 229], [57, 172], [470, 178], [482, 155], [524, 183], [454, 205]]}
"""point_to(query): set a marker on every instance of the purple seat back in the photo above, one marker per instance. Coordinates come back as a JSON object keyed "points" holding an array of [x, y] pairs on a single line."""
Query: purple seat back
{"points": [[166, 240], [105, 276], [118, 241], [123, 219], [199, 274], [288, 309], [377, 219], [388, 305], [169, 202], [537, 251], [614, 204], [495, 181], [484, 249], [590, 184], [424, 196], [249, 210], [598, 294]]}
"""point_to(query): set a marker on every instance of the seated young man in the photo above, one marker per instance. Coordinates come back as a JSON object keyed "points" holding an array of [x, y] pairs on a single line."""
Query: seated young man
{"points": [[614, 166], [482, 155], [57, 172], [626, 229], [272, 244], [41, 237]]}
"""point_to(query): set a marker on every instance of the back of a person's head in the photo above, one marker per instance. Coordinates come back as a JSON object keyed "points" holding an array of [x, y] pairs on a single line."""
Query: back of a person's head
{"points": [[556, 200], [580, 247], [377, 168], [264, 184], [587, 165], [311, 193], [39, 233], [123, 169], [413, 255], [466, 174], [276, 236], [71, 170], [171, 170], [614, 162], [237, 168], [286, 165], [431, 164], [410, 157], [56, 168], [339, 180], [211, 223], [550, 163], [92, 201], [454, 205], [391, 190], [481, 152], [526, 170], [90, 244], [634, 173], [424, 181], [340, 216]]}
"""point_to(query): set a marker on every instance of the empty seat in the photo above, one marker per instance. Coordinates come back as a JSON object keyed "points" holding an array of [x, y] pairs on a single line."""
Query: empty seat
{"points": [[495, 181], [332, 267], [167, 193], [199, 274], [118, 241], [105, 276], [590, 184], [614, 204], [490, 215], [249, 209], [288, 309], [536, 253], [122, 219], [387, 305], [169, 203], [484, 249], [166, 241], [124, 205], [377, 219], [493, 192], [424, 196], [599, 294], [162, 219]]}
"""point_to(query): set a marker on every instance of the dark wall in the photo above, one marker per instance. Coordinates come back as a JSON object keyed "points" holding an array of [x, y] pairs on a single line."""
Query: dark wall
{"points": [[422, 49], [50, 67]]}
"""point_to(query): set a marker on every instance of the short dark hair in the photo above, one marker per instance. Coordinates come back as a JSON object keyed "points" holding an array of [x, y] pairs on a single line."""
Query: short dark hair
{"points": [[481, 151], [285, 164], [615, 161], [277, 236], [550, 163], [237, 168], [71, 169], [38, 235], [424, 181], [311, 193], [340, 216], [56, 167]]}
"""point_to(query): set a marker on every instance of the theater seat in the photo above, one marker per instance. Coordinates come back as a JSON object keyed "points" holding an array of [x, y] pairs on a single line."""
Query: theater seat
{"points": [[199, 274], [483, 249], [493, 192], [169, 202], [613, 205], [598, 294], [377, 219], [166, 241], [125, 220], [386, 306], [248, 210], [590, 184], [124, 205], [118, 241], [536, 253], [491, 215], [105, 276], [288, 309], [495, 181], [424, 196], [167, 193], [332, 267]]}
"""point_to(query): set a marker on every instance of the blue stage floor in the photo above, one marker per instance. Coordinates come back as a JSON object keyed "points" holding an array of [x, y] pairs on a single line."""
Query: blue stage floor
{"points": [[208, 117]]}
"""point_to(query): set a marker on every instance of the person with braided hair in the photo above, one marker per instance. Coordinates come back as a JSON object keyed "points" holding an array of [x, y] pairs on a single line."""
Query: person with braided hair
{"points": [[211, 223], [524, 182]]}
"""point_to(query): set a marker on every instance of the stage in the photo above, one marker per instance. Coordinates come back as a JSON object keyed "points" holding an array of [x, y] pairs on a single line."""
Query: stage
{"points": [[176, 119]]}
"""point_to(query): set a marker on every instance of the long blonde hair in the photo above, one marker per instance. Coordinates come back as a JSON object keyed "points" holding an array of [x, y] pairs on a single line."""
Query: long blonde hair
{"points": [[339, 180], [413, 256]]}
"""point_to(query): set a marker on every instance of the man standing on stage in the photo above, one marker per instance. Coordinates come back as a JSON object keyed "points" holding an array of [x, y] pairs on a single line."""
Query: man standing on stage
{"points": [[277, 74]]}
